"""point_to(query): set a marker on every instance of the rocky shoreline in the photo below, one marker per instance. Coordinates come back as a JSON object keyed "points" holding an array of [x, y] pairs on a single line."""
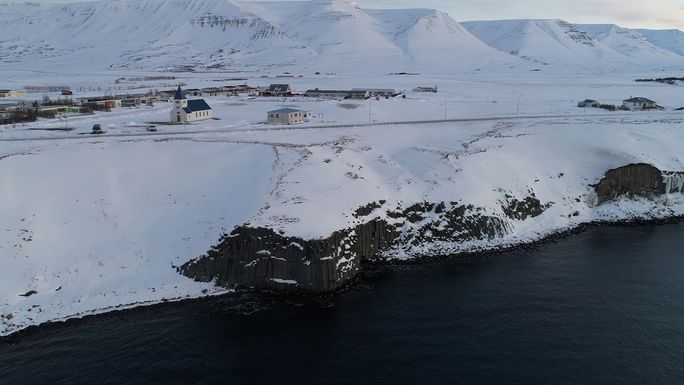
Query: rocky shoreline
{"points": [[367, 267]]}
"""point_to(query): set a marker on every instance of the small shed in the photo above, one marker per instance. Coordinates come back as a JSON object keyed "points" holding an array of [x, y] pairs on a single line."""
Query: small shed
{"points": [[286, 116], [639, 103]]}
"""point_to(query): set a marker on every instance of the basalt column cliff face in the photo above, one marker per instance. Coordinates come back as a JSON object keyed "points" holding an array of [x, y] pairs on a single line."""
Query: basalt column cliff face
{"points": [[638, 180], [263, 259]]}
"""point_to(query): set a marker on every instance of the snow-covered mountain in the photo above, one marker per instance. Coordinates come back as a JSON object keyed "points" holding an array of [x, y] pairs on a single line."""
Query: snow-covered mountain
{"points": [[583, 46], [631, 43], [220, 34], [669, 39], [315, 35]]}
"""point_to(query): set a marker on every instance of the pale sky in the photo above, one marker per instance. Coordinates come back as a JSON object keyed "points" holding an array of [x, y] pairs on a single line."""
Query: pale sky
{"points": [[658, 14]]}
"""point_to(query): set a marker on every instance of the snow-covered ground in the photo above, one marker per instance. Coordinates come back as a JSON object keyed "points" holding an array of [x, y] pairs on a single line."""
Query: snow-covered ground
{"points": [[92, 223]]}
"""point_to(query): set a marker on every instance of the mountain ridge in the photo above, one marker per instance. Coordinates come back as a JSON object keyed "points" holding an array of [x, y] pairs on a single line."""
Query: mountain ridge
{"points": [[322, 35]]}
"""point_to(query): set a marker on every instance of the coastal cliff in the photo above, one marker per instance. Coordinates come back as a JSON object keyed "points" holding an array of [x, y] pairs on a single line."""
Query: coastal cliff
{"points": [[261, 258]]}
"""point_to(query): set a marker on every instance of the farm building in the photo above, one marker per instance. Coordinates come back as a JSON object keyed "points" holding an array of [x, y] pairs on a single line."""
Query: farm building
{"points": [[193, 92], [337, 94], [639, 103], [238, 89], [589, 103], [211, 91], [11, 93], [101, 101], [286, 116], [277, 90], [426, 89], [377, 92], [186, 111]]}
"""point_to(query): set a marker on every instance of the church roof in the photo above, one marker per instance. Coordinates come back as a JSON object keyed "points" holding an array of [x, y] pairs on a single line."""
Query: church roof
{"points": [[196, 105]]}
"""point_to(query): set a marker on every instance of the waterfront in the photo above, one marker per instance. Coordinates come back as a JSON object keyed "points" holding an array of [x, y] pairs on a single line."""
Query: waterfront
{"points": [[602, 306]]}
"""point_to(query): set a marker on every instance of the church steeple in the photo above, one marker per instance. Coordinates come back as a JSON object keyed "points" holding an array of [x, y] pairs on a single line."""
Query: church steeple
{"points": [[180, 101], [179, 94]]}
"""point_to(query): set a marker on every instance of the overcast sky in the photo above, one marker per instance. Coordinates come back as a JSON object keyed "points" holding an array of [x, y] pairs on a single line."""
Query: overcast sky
{"points": [[626, 13]]}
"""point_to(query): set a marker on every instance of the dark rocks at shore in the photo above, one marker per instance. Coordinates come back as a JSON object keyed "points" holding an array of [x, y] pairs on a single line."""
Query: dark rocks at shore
{"points": [[263, 259], [529, 207], [636, 180]]}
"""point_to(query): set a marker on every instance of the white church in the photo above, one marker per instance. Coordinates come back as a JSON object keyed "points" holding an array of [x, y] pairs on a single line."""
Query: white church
{"points": [[187, 111]]}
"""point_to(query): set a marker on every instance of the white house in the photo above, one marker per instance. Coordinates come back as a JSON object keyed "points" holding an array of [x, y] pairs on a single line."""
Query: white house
{"points": [[639, 103], [286, 116], [186, 111]]}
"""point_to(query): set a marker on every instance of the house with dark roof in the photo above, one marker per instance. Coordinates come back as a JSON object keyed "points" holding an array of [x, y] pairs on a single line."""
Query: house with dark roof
{"points": [[286, 116], [589, 103], [639, 103], [187, 111]]}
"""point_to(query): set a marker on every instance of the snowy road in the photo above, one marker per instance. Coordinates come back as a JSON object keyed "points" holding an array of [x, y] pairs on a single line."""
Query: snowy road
{"points": [[323, 126]]}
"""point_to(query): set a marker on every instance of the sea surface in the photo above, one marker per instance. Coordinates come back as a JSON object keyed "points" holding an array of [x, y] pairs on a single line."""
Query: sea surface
{"points": [[605, 306]]}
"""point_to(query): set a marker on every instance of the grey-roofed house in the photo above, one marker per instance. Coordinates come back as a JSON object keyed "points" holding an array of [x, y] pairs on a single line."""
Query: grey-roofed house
{"points": [[286, 116], [639, 103], [278, 90], [187, 111]]}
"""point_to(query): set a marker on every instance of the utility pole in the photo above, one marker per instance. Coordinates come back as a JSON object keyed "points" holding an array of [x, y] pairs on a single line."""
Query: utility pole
{"points": [[370, 110], [445, 108], [517, 108]]}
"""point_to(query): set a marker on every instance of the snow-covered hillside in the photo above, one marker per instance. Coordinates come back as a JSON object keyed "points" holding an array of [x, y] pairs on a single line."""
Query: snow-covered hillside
{"points": [[563, 44], [187, 35], [669, 39], [632, 44]]}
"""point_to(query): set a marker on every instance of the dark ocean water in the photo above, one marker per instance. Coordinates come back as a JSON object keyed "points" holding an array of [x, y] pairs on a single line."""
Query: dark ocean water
{"points": [[602, 307]]}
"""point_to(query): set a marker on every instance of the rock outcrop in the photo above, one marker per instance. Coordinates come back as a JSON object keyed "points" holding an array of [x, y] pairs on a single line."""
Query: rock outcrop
{"points": [[638, 180], [263, 259]]}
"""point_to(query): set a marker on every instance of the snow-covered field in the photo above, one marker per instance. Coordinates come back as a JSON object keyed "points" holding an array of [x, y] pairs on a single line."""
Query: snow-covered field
{"points": [[93, 223]]}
